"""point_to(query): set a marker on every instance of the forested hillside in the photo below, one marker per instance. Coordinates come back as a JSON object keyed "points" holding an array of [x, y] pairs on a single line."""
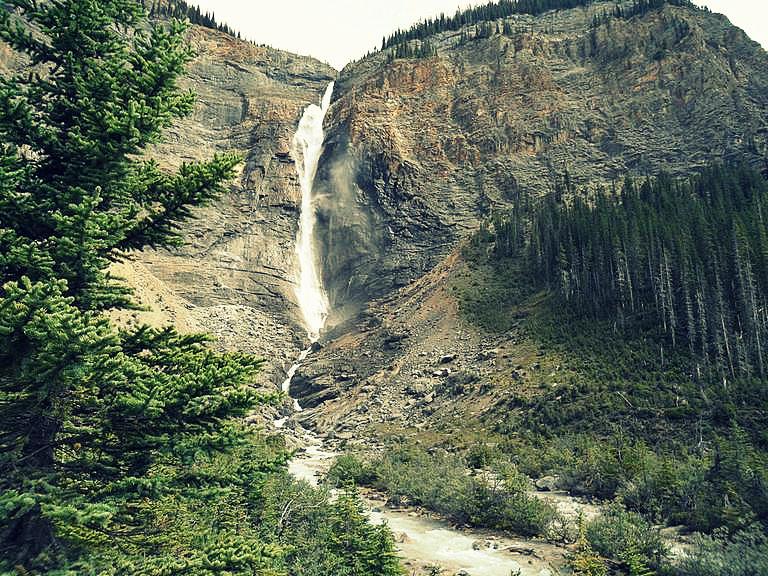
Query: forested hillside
{"points": [[647, 302], [689, 255]]}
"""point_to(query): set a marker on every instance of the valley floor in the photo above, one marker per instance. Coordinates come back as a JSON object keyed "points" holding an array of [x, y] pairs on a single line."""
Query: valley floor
{"points": [[426, 542]]}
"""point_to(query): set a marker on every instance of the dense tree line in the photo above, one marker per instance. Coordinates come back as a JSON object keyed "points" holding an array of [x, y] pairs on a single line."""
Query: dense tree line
{"points": [[487, 29], [638, 8], [417, 49], [182, 10], [690, 254], [478, 14], [122, 447], [483, 15]]}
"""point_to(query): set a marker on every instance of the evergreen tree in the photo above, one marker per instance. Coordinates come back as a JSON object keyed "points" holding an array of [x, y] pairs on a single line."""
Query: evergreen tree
{"points": [[180, 9], [688, 253], [86, 410]]}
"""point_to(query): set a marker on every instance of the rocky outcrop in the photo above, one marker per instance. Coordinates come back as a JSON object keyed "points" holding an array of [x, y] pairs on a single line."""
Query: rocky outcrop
{"points": [[420, 151]]}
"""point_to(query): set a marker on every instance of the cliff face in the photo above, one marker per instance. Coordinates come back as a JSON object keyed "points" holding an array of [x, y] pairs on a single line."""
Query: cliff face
{"points": [[234, 275], [420, 150], [418, 153]]}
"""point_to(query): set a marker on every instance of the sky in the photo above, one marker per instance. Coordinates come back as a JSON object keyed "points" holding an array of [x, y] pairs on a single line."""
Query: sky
{"points": [[338, 31]]}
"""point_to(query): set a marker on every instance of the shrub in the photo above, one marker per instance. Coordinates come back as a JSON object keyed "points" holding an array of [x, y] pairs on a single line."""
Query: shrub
{"points": [[508, 504], [482, 455], [350, 469], [626, 537], [599, 468], [745, 554], [561, 530], [441, 482], [584, 561], [320, 537], [658, 490], [733, 490]]}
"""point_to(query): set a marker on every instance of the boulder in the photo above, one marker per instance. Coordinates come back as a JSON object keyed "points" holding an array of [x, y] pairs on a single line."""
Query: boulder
{"points": [[394, 339], [488, 354], [418, 388], [547, 483]]}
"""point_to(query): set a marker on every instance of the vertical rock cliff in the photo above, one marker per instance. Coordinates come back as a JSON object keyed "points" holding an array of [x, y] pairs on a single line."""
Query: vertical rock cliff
{"points": [[421, 149], [234, 275]]}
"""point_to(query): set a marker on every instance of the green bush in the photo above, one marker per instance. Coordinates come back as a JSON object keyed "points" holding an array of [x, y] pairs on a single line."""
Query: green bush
{"points": [[350, 469], [584, 561], [441, 482], [482, 455], [745, 554], [510, 504], [437, 481], [626, 537], [732, 491], [657, 490]]}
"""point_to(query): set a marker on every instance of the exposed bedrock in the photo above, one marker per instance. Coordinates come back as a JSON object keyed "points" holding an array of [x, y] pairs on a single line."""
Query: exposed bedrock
{"points": [[420, 151]]}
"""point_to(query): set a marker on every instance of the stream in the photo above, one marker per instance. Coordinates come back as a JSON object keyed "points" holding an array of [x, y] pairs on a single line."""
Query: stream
{"points": [[423, 541]]}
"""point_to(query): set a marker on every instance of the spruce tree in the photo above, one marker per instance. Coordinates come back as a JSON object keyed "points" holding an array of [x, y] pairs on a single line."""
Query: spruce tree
{"points": [[87, 410]]}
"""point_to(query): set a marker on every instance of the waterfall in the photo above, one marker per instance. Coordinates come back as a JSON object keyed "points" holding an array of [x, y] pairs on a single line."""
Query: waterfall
{"points": [[306, 150]]}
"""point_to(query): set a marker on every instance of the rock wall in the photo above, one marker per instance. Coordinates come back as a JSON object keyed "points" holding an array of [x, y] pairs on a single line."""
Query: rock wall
{"points": [[233, 277], [420, 150]]}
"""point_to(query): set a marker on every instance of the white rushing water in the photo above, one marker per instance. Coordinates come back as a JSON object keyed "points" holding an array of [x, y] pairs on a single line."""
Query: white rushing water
{"points": [[425, 541], [306, 150], [286, 387], [310, 294]]}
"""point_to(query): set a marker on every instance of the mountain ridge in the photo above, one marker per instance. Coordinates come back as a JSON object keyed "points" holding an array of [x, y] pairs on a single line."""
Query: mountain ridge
{"points": [[488, 117]]}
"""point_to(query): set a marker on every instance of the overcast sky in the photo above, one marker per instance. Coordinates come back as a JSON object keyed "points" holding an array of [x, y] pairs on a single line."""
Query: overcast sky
{"points": [[338, 31]]}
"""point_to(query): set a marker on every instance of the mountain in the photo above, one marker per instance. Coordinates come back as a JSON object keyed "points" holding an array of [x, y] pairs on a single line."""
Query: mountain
{"points": [[451, 157], [422, 146], [421, 150]]}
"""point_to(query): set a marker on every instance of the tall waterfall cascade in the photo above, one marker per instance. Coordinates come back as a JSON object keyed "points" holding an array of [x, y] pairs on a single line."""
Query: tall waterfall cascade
{"points": [[306, 150]]}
